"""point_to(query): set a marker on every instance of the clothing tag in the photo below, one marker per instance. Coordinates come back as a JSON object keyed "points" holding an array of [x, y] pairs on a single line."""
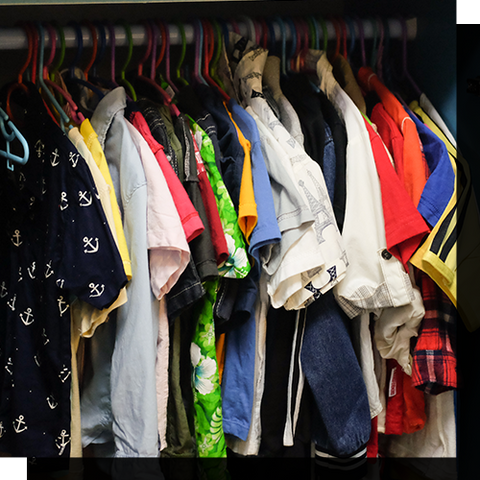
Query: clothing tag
{"points": [[170, 91], [392, 386]]}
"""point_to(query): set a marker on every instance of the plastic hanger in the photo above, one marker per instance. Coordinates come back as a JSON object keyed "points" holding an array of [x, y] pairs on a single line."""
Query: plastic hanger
{"points": [[252, 31], [111, 30], [218, 52], [9, 137], [167, 58], [379, 63], [19, 85], [283, 38], [373, 56], [152, 50], [351, 29], [155, 62], [209, 46], [304, 27], [312, 32], [197, 74], [77, 117], [71, 71], [405, 73], [343, 27], [325, 33], [293, 47], [264, 40], [55, 68], [338, 39], [178, 76], [99, 28], [362, 41], [123, 79]]}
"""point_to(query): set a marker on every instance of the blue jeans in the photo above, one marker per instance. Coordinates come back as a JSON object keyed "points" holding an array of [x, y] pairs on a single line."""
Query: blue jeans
{"points": [[333, 373]]}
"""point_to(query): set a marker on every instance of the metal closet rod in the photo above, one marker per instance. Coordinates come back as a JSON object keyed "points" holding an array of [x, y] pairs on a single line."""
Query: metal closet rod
{"points": [[16, 38]]}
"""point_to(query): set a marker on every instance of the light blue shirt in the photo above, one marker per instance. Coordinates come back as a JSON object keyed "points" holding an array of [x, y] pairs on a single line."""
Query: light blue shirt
{"points": [[118, 405]]}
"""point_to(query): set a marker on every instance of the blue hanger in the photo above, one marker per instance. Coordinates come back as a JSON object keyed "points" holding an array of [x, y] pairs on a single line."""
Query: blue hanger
{"points": [[9, 137], [63, 116]]}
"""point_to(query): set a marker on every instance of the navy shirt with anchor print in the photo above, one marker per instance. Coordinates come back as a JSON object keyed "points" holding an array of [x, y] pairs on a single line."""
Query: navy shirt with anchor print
{"points": [[55, 245]]}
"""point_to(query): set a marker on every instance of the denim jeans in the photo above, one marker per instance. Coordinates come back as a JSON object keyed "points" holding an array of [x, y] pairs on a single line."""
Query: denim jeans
{"points": [[335, 378]]}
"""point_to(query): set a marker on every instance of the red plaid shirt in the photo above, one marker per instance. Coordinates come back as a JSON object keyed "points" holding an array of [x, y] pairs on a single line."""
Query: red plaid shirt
{"points": [[434, 366]]}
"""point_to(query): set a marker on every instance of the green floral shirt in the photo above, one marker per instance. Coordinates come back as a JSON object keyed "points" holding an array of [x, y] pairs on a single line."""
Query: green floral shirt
{"points": [[207, 399], [237, 264]]}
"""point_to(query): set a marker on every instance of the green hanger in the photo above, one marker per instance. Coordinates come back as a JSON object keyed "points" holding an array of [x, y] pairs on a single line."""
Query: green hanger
{"points": [[216, 58], [179, 77], [123, 80]]}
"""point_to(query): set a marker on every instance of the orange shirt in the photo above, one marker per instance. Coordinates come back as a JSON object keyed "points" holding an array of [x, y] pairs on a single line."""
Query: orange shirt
{"points": [[415, 167], [247, 208]]}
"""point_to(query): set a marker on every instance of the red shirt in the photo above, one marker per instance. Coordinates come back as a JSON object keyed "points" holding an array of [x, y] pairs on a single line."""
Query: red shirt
{"points": [[391, 136], [415, 167], [191, 222], [404, 226], [216, 230]]}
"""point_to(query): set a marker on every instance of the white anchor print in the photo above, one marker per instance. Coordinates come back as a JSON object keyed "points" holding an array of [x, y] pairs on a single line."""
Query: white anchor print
{"points": [[62, 302], [8, 365], [63, 201], [60, 282], [31, 271], [88, 243], [20, 278], [45, 338], [62, 441], [64, 374], [2, 430], [95, 291], [44, 188], [39, 146], [32, 201], [16, 238], [11, 302], [3, 291], [54, 158], [73, 157], [21, 181], [36, 358], [28, 313], [52, 403], [19, 425], [85, 198], [48, 270]]}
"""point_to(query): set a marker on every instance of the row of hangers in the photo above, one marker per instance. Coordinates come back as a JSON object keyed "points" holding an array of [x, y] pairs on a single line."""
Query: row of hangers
{"points": [[209, 34]]}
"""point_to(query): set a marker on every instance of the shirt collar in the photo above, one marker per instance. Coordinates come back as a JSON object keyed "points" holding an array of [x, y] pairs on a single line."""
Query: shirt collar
{"points": [[111, 104]]}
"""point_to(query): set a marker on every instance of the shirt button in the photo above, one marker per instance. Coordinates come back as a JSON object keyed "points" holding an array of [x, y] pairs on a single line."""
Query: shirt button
{"points": [[386, 255]]}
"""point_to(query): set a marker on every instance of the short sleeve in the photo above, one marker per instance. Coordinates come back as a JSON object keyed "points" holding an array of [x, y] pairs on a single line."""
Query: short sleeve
{"points": [[90, 266]]}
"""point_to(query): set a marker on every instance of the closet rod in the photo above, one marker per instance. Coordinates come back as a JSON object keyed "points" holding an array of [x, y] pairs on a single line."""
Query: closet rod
{"points": [[16, 39]]}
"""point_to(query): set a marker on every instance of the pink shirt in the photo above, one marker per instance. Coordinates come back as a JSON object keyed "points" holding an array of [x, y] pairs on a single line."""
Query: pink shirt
{"points": [[192, 224], [169, 252]]}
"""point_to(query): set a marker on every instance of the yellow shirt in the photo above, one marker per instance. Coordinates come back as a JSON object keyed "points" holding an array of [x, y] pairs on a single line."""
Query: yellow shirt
{"points": [[439, 256], [91, 139], [247, 208]]}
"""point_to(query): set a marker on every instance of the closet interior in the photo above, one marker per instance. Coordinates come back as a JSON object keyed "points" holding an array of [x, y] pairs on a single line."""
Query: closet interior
{"points": [[218, 244]]}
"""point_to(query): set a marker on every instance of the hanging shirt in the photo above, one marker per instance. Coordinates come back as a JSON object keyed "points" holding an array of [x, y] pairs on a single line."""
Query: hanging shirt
{"points": [[56, 244], [427, 106], [84, 317], [326, 250], [439, 187], [414, 165], [114, 416], [216, 230], [169, 252], [374, 278], [439, 256], [288, 115], [247, 208], [91, 140], [342, 71]]}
